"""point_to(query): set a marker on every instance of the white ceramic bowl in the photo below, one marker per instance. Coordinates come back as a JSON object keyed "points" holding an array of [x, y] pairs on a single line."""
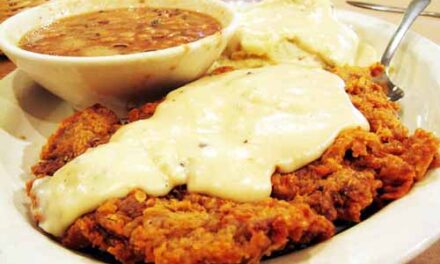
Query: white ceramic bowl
{"points": [[114, 80]]}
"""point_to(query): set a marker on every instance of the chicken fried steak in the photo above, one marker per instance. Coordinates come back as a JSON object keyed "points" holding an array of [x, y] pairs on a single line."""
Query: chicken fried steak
{"points": [[360, 169]]}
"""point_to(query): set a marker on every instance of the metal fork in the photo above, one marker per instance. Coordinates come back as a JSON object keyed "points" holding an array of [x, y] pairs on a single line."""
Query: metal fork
{"points": [[414, 9]]}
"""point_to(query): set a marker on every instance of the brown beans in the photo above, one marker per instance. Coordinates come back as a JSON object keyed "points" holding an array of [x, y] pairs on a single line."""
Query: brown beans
{"points": [[120, 31]]}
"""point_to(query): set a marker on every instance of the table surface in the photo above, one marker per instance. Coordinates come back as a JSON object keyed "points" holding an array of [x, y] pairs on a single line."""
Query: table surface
{"points": [[426, 26]]}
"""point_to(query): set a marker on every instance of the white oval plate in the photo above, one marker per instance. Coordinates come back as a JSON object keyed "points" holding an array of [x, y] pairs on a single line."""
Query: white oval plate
{"points": [[28, 114]]}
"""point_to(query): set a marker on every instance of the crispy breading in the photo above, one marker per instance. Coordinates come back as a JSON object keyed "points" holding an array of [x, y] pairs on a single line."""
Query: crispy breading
{"points": [[360, 169], [143, 112], [334, 191], [195, 229], [83, 130]]}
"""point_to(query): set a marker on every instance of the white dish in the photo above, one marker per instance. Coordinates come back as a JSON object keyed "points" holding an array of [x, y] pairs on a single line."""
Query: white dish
{"points": [[395, 234], [115, 81]]}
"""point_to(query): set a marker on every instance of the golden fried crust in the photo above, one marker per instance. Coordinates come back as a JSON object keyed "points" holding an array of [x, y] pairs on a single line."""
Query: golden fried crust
{"points": [[341, 195], [76, 134], [421, 150], [196, 229], [143, 112]]}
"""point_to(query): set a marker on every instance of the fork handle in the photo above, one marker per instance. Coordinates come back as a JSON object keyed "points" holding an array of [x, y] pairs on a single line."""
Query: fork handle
{"points": [[412, 12]]}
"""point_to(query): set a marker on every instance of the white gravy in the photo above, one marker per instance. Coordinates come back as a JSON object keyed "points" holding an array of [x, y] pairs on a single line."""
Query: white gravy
{"points": [[222, 135], [272, 29]]}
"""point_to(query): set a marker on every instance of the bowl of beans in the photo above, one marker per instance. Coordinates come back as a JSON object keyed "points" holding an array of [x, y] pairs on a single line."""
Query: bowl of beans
{"points": [[117, 53]]}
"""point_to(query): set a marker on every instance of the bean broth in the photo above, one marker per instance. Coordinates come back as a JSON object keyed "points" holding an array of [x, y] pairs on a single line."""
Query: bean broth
{"points": [[120, 31]]}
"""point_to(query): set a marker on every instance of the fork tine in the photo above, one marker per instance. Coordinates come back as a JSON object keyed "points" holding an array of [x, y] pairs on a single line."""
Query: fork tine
{"points": [[396, 94]]}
